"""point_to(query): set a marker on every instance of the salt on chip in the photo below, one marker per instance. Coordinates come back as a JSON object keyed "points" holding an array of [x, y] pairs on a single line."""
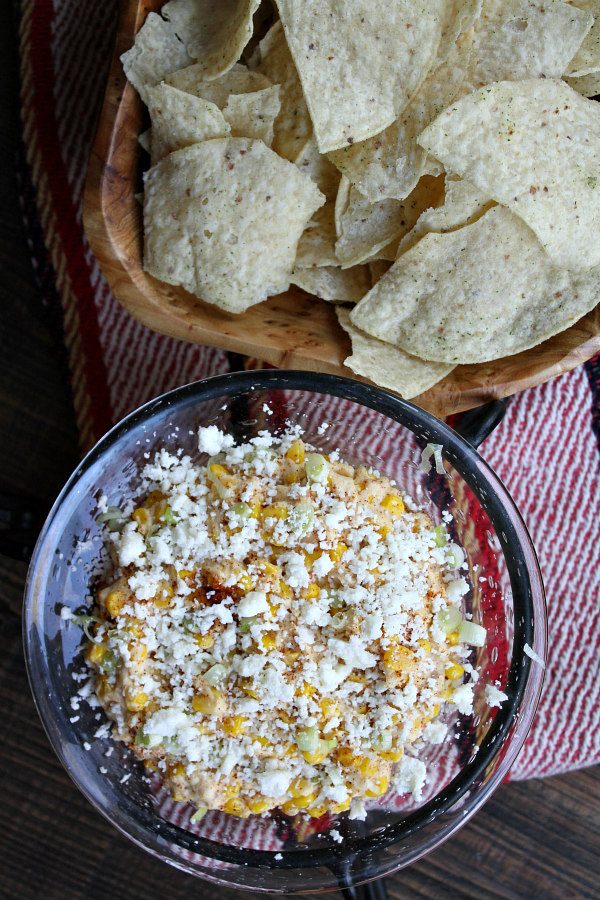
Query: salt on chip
{"points": [[533, 145], [366, 228], [293, 127], [223, 219], [463, 204], [238, 80], [587, 59], [525, 39], [321, 170], [334, 284], [180, 120], [317, 244], [388, 366], [359, 62], [252, 115], [586, 85], [213, 31], [389, 165], [483, 292], [156, 52]]}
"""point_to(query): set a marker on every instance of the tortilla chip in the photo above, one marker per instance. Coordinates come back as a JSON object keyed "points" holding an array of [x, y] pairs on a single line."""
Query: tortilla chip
{"points": [[463, 205], [526, 39], [586, 85], [239, 80], [156, 52], [389, 165], [317, 244], [334, 284], [212, 210], [366, 228], [317, 165], [180, 120], [587, 59], [388, 366], [480, 293], [458, 17], [213, 31], [533, 145], [359, 63], [252, 115], [292, 126]]}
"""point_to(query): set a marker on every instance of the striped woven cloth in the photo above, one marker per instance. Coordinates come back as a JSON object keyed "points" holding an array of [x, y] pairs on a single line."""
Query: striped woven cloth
{"points": [[546, 450]]}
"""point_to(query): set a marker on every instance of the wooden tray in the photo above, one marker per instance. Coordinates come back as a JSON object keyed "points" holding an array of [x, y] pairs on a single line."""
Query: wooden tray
{"points": [[291, 330]]}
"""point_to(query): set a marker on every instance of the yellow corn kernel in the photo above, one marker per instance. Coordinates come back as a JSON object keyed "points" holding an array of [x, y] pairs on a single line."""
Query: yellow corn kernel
{"points": [[289, 749], [274, 511], [338, 551], [446, 694], [436, 710], [304, 800], [255, 510], [204, 703], [269, 640], [270, 568], [306, 690], [247, 685], [294, 476], [164, 596], [384, 530], [291, 656], [246, 582], [317, 812], [424, 644], [138, 652], [357, 679], [311, 592], [393, 504], [235, 725], [340, 807], [264, 742], [219, 471], [329, 707], [289, 808], [203, 729], [315, 757], [177, 770], [378, 786], [184, 574], [366, 766], [138, 701], [452, 638], [285, 590], [454, 671], [300, 786], [273, 608], [393, 755], [296, 452], [345, 756], [141, 516], [96, 653], [258, 805], [236, 807], [285, 717], [204, 641], [311, 557], [114, 603], [398, 658]]}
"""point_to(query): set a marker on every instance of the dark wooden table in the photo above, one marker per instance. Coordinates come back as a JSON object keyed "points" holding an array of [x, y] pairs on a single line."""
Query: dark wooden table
{"points": [[532, 840]]}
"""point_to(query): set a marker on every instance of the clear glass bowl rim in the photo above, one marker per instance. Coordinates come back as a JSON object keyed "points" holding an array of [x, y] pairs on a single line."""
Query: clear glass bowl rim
{"points": [[528, 602]]}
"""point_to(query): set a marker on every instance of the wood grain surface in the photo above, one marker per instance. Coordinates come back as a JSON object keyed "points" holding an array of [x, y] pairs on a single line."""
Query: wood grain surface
{"points": [[539, 839], [292, 330]]}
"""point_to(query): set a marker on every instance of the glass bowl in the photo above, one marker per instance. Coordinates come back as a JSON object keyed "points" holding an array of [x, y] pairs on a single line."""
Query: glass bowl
{"points": [[273, 852]]}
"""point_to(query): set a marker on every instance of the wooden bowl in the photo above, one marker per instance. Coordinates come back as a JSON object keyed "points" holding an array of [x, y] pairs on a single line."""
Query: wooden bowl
{"points": [[292, 330]]}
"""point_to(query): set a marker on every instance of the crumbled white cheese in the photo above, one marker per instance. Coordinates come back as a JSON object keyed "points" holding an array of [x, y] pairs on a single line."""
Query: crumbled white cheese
{"points": [[494, 696], [336, 836], [274, 783], [254, 603], [463, 698], [211, 440], [410, 777], [131, 546]]}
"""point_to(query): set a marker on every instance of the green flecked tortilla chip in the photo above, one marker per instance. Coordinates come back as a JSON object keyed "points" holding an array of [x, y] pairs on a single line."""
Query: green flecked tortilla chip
{"points": [[359, 62], [533, 145], [252, 115], [389, 165], [156, 52], [587, 59], [586, 85], [321, 170], [223, 219], [463, 204], [334, 284], [180, 119], [388, 366], [480, 293], [525, 39], [293, 127], [366, 228], [238, 80], [317, 244], [213, 31]]}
